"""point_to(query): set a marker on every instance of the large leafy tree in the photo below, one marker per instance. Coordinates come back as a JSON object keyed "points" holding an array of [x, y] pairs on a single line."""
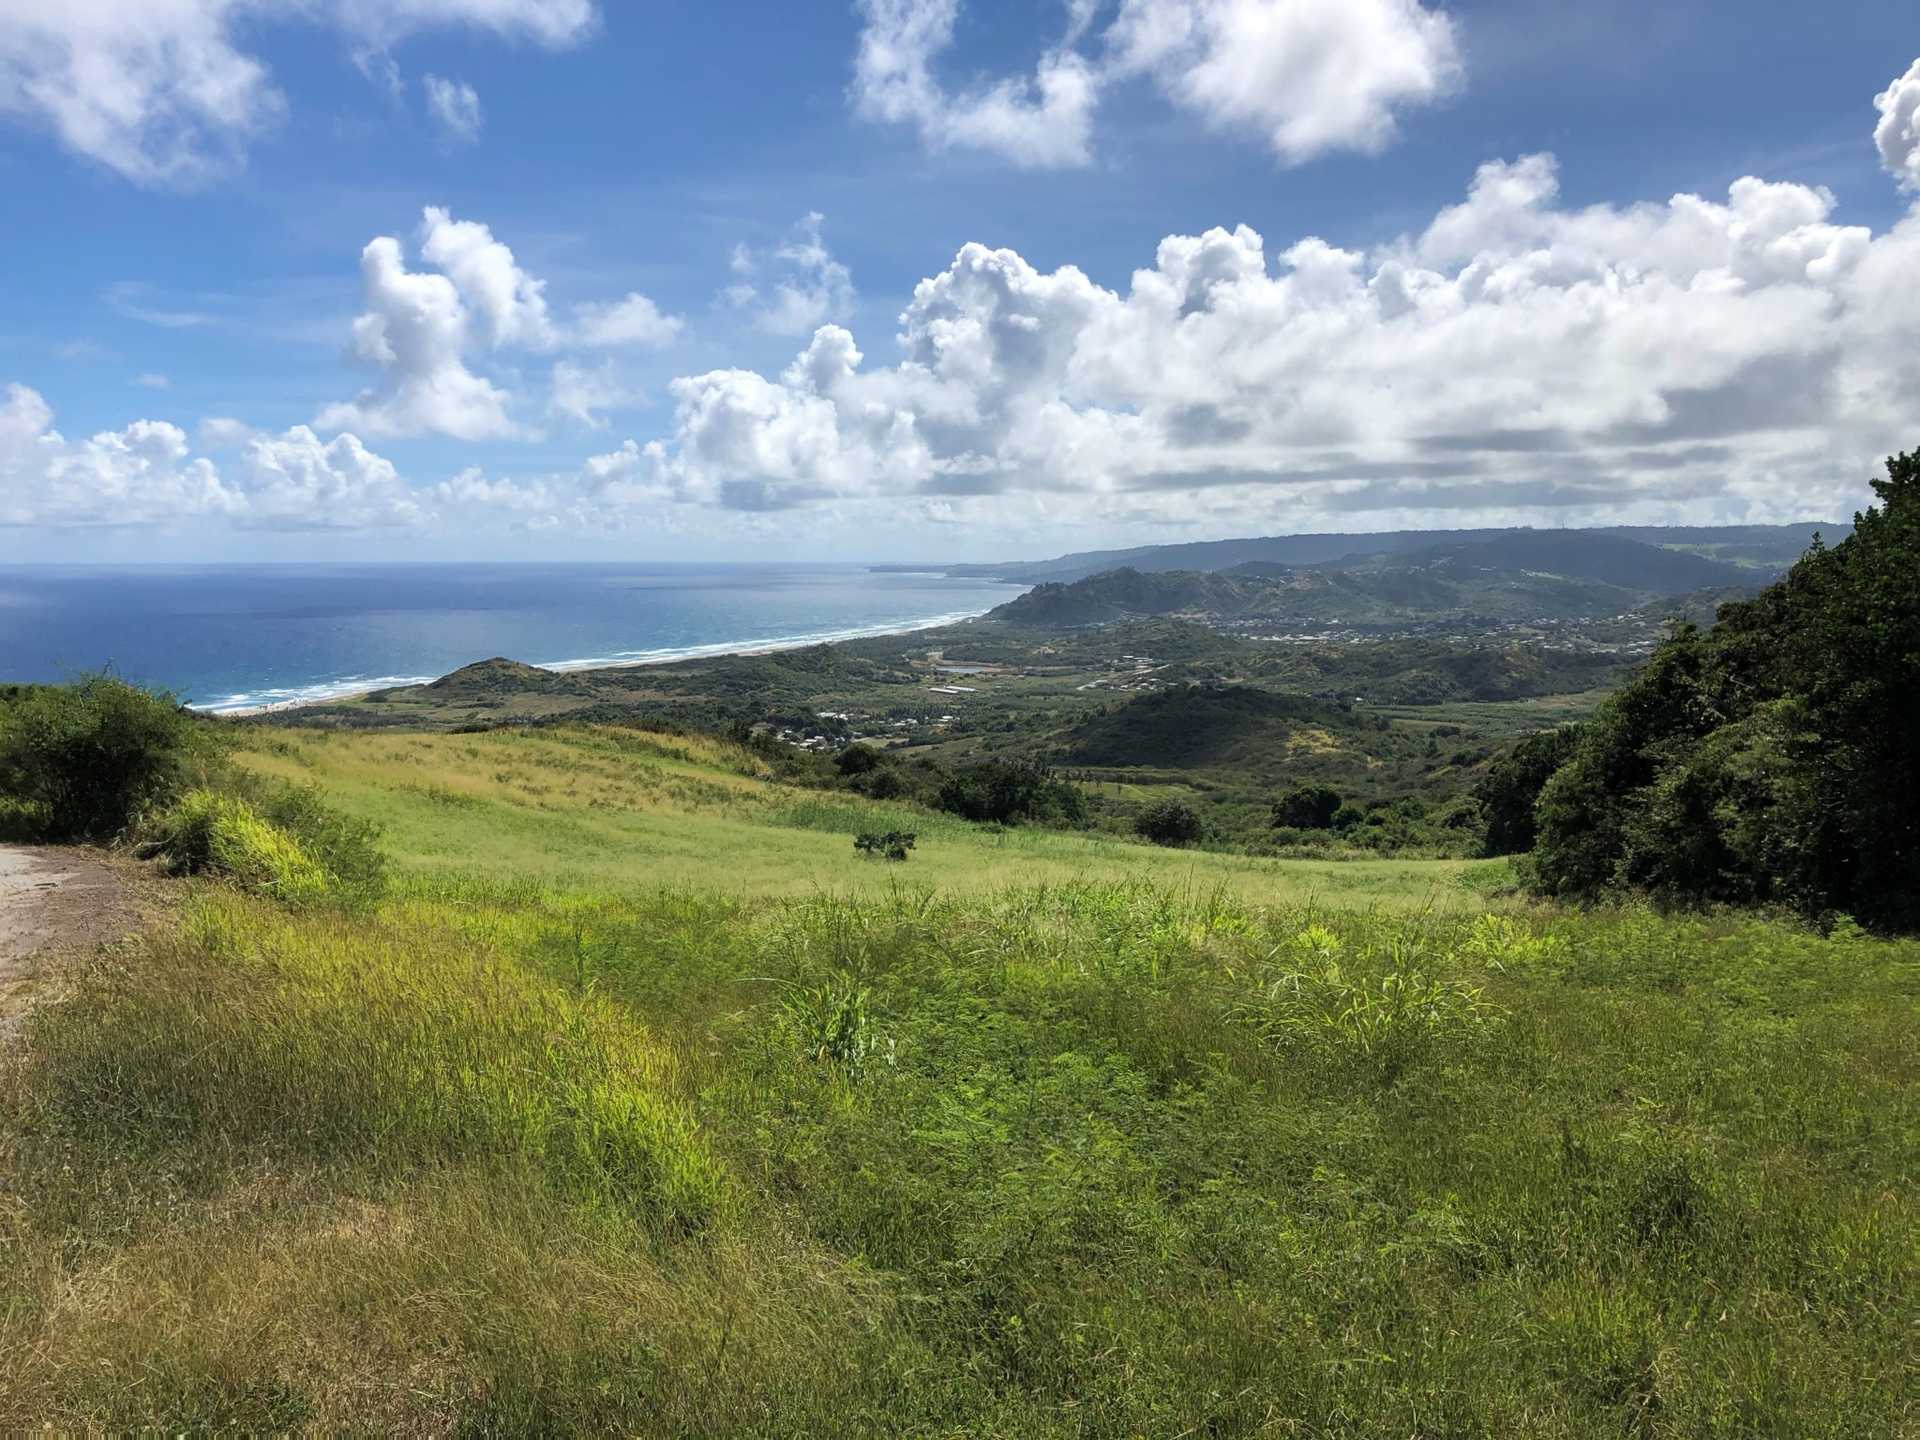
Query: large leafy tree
{"points": [[1775, 758], [1512, 785]]}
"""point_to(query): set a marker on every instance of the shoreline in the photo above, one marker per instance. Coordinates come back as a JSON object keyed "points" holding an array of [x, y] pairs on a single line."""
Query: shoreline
{"points": [[721, 649]]}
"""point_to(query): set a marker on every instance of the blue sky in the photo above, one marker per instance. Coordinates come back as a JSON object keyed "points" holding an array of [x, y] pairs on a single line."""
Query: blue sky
{"points": [[643, 213]]}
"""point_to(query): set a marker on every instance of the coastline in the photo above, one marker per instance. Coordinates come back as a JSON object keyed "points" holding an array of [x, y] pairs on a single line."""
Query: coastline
{"points": [[722, 649]]}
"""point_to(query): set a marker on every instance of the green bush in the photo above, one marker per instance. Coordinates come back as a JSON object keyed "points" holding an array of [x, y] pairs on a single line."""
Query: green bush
{"points": [[347, 847], [85, 761], [214, 834], [1005, 791], [884, 845], [1770, 759], [1171, 822], [857, 760], [885, 783], [1308, 807]]}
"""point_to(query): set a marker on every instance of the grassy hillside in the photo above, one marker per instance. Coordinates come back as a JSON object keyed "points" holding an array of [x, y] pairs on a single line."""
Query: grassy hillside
{"points": [[634, 811], [638, 1105]]}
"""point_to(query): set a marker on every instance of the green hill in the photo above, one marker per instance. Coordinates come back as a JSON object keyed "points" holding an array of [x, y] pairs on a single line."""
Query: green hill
{"points": [[1768, 548], [1206, 726], [1513, 577]]}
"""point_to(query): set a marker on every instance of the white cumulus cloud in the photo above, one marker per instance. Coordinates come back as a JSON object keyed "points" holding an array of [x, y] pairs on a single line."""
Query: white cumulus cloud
{"points": [[428, 331], [1514, 360], [1898, 134], [635, 320], [584, 392], [297, 481], [415, 330], [141, 474], [165, 92], [509, 305], [1042, 121], [1307, 76], [796, 288], [454, 107]]}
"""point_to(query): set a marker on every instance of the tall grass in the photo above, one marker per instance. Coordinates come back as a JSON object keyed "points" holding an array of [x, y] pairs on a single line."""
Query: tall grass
{"points": [[1059, 1157], [312, 1036]]}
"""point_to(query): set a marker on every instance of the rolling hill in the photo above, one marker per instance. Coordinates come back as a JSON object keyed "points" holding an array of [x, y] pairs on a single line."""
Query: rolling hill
{"points": [[1766, 549], [1198, 726], [1510, 576]]}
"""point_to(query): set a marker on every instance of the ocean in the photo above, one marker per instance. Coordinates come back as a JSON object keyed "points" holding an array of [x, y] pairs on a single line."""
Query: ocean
{"points": [[234, 637]]}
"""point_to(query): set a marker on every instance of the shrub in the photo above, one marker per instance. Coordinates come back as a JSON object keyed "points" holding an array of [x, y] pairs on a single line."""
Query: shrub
{"points": [[86, 760], [1309, 807], [885, 783], [1004, 791], [891, 845], [346, 846], [1171, 822], [857, 760], [214, 834]]}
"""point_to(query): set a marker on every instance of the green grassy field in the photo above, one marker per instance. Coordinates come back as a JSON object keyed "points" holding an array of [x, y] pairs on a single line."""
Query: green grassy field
{"points": [[640, 1105], [627, 810]]}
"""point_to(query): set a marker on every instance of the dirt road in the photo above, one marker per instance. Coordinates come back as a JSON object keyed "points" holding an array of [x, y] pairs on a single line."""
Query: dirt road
{"points": [[52, 899]]}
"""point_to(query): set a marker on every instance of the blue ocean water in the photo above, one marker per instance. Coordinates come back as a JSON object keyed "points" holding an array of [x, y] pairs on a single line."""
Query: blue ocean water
{"points": [[228, 637]]}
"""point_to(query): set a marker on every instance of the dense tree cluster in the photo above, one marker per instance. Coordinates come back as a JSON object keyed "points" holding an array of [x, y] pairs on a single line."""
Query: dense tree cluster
{"points": [[1307, 807], [1772, 759], [1171, 822], [1008, 791], [1511, 786]]}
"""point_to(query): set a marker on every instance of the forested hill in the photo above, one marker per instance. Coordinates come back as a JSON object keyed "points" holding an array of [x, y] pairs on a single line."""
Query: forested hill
{"points": [[1509, 576], [1767, 548]]}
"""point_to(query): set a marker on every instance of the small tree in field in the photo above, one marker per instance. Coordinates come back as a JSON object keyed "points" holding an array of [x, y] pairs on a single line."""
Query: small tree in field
{"points": [[887, 845], [1310, 807], [1170, 823]]}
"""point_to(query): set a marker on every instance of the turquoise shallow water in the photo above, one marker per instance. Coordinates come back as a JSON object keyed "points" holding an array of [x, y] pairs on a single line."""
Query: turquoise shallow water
{"points": [[227, 637]]}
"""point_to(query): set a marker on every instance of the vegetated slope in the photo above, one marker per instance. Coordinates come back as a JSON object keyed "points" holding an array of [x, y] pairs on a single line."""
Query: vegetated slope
{"points": [[1522, 575], [1580, 555], [1769, 549], [1206, 726], [507, 1156], [1771, 759], [623, 808], [713, 690], [1428, 672], [1127, 594], [1762, 546]]}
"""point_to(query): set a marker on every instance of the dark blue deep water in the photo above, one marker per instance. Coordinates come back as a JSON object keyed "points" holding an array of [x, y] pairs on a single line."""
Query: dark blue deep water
{"points": [[225, 637]]}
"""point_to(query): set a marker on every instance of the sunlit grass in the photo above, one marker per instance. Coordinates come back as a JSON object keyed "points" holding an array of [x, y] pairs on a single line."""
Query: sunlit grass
{"points": [[623, 809], [992, 1142]]}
